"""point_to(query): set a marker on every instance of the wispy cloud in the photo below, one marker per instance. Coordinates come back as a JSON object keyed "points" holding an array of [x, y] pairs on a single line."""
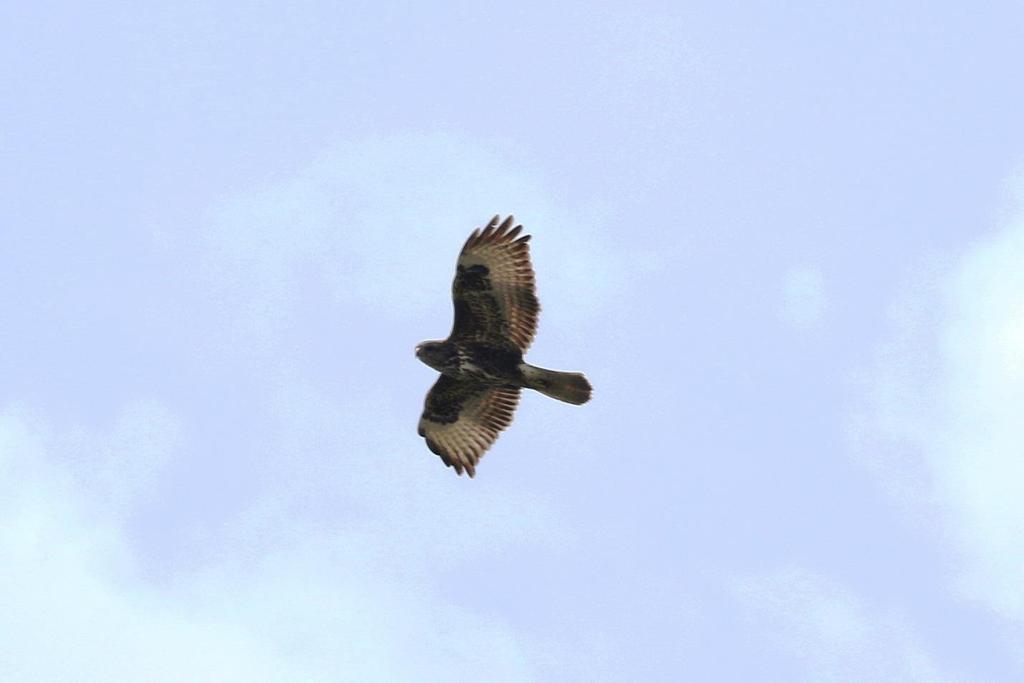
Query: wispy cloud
{"points": [[78, 604], [943, 427], [378, 223], [269, 517], [832, 633], [803, 298]]}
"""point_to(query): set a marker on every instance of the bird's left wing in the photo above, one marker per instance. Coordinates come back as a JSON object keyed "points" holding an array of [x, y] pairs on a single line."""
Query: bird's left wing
{"points": [[461, 419]]}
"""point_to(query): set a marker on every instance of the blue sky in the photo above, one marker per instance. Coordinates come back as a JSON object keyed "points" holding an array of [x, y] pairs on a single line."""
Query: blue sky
{"points": [[783, 243]]}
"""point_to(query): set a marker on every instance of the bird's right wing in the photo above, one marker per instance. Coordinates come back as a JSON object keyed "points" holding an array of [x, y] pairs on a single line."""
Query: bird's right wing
{"points": [[461, 419], [493, 291]]}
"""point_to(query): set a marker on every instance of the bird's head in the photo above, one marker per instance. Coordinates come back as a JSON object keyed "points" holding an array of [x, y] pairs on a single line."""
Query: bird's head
{"points": [[433, 353]]}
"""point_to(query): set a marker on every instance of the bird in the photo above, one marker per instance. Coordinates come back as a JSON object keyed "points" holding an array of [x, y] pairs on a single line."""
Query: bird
{"points": [[481, 362]]}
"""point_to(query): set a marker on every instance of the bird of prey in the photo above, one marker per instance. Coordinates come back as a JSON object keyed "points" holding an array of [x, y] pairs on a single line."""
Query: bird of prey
{"points": [[481, 361]]}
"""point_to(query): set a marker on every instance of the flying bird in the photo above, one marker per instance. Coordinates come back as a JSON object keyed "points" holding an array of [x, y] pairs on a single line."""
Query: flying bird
{"points": [[481, 361]]}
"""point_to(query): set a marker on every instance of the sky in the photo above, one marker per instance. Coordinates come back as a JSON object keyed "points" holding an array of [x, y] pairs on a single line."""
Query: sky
{"points": [[784, 244]]}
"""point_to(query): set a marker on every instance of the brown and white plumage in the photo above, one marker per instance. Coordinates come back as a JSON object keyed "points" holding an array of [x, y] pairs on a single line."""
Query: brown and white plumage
{"points": [[481, 362], [506, 256], [477, 412]]}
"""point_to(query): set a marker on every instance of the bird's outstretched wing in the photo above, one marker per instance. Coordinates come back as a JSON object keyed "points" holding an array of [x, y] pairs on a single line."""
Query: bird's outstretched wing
{"points": [[461, 419], [494, 294]]}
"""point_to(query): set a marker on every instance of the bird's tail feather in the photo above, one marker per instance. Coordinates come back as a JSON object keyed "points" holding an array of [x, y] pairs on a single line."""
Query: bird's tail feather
{"points": [[571, 387]]}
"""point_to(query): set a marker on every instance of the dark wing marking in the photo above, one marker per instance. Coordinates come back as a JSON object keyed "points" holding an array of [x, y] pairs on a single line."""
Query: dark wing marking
{"points": [[461, 419], [494, 293]]}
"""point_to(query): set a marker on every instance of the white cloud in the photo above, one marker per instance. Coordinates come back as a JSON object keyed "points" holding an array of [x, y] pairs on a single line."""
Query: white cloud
{"points": [[122, 464], [313, 605], [335, 553], [944, 426], [977, 450], [803, 297], [379, 223], [831, 632]]}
